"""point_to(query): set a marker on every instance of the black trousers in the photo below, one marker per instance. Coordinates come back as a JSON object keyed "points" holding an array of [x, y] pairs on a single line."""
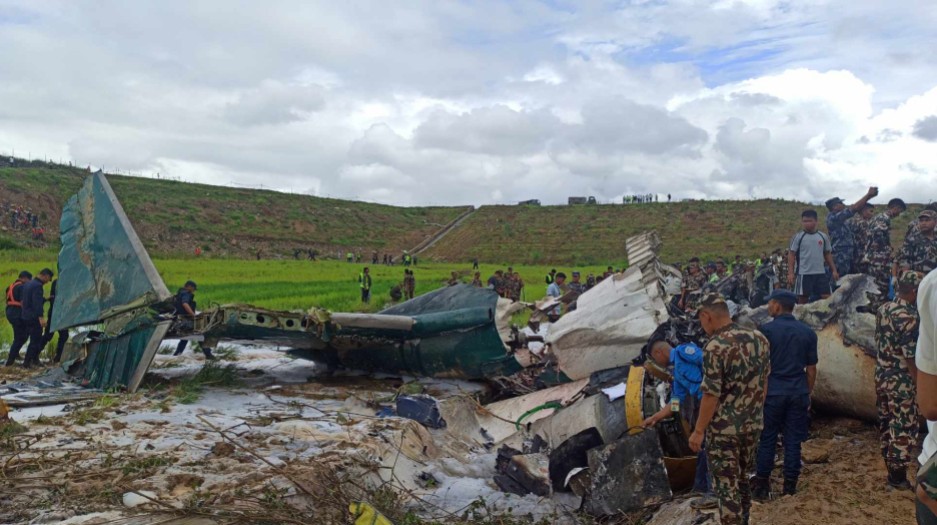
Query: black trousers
{"points": [[35, 342], [20, 336], [60, 345]]}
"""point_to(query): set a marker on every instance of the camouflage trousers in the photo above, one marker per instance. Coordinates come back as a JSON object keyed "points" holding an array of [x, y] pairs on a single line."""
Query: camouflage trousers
{"points": [[731, 458], [844, 258], [881, 272], [898, 423]]}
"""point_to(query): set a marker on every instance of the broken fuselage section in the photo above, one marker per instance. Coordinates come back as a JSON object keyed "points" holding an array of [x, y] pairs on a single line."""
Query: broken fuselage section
{"points": [[107, 281]]}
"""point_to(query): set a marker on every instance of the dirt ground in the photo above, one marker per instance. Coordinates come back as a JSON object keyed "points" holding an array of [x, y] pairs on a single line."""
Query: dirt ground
{"points": [[849, 489], [278, 442]]}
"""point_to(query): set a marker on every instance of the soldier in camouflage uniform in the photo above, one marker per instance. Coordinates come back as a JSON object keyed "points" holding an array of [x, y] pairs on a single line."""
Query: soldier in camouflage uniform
{"points": [[896, 333], [693, 280], [780, 264], [841, 236], [914, 226], [859, 224], [919, 252], [878, 250], [735, 370]]}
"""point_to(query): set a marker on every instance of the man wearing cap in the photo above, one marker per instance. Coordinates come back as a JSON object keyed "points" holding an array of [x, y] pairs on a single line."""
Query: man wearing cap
{"points": [[896, 334], [878, 251], [914, 226], [184, 310], [14, 313], [735, 370], [32, 315], [919, 252], [685, 394], [841, 236], [793, 353], [693, 281], [859, 224]]}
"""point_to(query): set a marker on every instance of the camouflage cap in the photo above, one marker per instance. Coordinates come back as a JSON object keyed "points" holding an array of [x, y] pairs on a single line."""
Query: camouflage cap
{"points": [[911, 278], [930, 214], [709, 299]]}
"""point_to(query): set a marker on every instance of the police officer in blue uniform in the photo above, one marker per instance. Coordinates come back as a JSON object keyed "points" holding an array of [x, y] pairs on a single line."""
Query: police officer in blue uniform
{"points": [[790, 383]]}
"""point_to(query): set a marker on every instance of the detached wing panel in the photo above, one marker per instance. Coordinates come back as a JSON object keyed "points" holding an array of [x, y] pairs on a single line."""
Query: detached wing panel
{"points": [[103, 266]]}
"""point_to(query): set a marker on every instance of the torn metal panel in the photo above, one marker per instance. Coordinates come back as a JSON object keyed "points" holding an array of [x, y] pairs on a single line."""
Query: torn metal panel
{"points": [[610, 326], [122, 361], [628, 474], [103, 266]]}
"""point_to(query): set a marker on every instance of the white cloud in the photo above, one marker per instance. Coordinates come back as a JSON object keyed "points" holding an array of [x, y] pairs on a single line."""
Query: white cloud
{"points": [[449, 103]]}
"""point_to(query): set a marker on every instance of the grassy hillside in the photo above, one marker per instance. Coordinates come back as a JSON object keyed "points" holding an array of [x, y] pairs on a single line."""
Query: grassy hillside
{"points": [[174, 218], [596, 234]]}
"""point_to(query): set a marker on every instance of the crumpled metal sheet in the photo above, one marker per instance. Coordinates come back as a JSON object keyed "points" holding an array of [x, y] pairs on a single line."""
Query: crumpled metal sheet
{"points": [[121, 361], [104, 268]]}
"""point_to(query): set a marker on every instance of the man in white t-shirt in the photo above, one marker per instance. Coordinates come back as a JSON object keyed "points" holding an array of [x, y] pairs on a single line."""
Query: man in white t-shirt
{"points": [[926, 361]]}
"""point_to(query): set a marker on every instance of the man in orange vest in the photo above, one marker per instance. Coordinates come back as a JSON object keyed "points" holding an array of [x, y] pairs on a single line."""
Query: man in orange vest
{"points": [[14, 311]]}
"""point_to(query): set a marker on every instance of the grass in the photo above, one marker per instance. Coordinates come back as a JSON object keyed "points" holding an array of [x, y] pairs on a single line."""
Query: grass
{"points": [[174, 218], [291, 285], [189, 389], [588, 235]]}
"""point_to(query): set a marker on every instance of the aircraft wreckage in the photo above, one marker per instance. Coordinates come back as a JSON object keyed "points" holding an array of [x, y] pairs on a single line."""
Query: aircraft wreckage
{"points": [[577, 431]]}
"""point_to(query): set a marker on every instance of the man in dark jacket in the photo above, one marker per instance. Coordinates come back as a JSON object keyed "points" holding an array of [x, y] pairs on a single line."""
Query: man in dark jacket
{"points": [[184, 305], [47, 336], [790, 383], [14, 312], [32, 315]]}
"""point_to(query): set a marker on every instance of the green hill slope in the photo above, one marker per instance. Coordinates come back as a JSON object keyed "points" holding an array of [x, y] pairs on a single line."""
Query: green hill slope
{"points": [[173, 218], [595, 234]]}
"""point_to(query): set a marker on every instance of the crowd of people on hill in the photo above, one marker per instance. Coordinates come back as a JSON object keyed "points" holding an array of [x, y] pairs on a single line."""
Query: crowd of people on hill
{"points": [[23, 219]]}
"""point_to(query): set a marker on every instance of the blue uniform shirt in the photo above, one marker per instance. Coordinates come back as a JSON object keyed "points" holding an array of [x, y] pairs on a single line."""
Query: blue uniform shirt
{"points": [[687, 360], [841, 235], [793, 348], [33, 301]]}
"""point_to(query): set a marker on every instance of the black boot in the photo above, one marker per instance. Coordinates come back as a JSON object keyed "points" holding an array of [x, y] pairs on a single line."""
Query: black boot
{"points": [[761, 488], [208, 355], [898, 478], [790, 486]]}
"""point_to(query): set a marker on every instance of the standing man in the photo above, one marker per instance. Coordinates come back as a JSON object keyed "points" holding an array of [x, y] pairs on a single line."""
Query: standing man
{"points": [[409, 284], [842, 239], [913, 226], [687, 362], [477, 280], [919, 252], [693, 281], [859, 225], [184, 311], [32, 315], [878, 250], [576, 284], [793, 351], [735, 369], [550, 277], [896, 334], [556, 289], [14, 313], [808, 251], [925, 360], [47, 336], [364, 280], [474, 263]]}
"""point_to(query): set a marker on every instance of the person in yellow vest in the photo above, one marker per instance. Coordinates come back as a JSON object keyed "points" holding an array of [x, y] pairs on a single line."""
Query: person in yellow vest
{"points": [[364, 279]]}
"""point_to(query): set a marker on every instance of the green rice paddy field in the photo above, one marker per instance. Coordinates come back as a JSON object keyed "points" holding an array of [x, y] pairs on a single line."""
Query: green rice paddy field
{"points": [[290, 284]]}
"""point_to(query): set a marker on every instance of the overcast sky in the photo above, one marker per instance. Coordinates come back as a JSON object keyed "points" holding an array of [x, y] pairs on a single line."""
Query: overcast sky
{"points": [[480, 103]]}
